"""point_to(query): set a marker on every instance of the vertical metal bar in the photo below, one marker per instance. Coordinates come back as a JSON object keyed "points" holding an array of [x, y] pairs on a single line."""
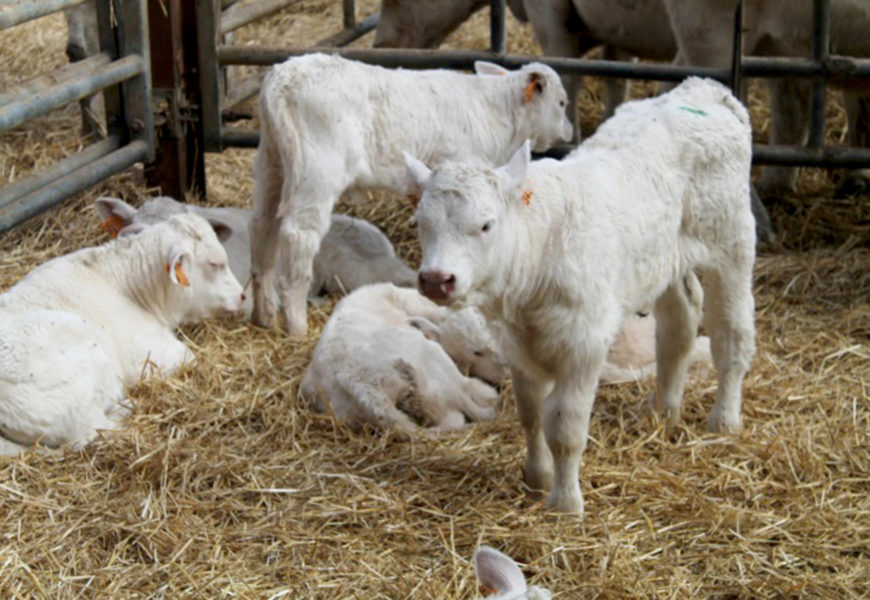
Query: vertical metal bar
{"points": [[821, 46], [136, 92], [178, 167], [497, 31], [207, 32], [348, 13], [111, 96], [737, 52]]}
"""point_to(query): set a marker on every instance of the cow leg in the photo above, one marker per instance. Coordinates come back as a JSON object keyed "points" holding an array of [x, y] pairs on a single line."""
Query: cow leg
{"points": [[566, 413], [677, 312], [538, 469], [728, 317], [789, 119], [856, 182], [301, 231]]}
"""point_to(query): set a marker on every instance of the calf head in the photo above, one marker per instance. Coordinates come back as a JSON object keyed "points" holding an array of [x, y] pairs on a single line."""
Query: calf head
{"points": [[466, 220], [498, 573], [466, 337], [542, 100], [201, 284]]}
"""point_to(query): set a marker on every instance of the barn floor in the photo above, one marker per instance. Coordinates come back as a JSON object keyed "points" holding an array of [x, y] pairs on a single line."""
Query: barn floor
{"points": [[223, 485]]}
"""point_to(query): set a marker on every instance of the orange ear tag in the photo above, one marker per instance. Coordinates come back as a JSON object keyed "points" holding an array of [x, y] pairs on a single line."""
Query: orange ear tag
{"points": [[527, 197], [180, 275], [529, 91], [113, 225]]}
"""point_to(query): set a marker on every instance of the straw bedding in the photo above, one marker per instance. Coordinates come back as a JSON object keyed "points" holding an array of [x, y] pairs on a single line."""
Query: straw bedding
{"points": [[224, 485]]}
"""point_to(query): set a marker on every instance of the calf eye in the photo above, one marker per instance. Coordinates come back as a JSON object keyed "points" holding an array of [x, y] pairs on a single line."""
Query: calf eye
{"points": [[478, 353], [486, 226], [562, 103], [217, 266]]}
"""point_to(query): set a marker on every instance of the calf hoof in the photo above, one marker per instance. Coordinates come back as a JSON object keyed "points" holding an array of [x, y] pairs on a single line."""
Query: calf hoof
{"points": [[718, 423], [296, 325], [262, 316], [537, 479], [565, 502]]}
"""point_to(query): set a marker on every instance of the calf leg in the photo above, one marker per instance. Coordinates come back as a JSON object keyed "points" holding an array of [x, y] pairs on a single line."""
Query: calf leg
{"points": [[678, 312], [264, 229], [566, 425], [538, 469], [728, 317]]}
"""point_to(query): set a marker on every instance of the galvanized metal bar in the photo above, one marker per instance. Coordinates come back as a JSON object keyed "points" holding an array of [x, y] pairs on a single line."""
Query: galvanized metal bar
{"points": [[15, 14], [59, 169], [455, 59], [821, 46], [136, 92], [812, 157], [239, 15], [56, 96], [241, 138], [242, 91], [115, 123], [836, 67], [346, 36], [497, 30], [29, 206], [348, 14], [737, 52], [207, 36], [68, 72]]}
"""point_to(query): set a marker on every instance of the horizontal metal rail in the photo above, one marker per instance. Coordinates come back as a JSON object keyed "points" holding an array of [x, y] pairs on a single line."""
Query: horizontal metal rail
{"points": [[32, 204], [68, 72], [845, 157], [15, 14], [240, 15], [59, 169], [346, 36], [15, 113]]}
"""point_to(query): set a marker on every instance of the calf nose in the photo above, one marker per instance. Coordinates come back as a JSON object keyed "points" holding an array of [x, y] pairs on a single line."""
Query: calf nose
{"points": [[244, 297], [436, 285]]}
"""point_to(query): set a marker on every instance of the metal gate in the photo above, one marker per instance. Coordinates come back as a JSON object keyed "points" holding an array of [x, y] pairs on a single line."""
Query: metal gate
{"points": [[121, 70]]}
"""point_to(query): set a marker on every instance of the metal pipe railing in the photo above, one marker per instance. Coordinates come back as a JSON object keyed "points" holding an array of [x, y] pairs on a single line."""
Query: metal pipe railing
{"points": [[53, 97], [16, 14], [821, 46], [32, 204], [346, 36], [239, 15], [69, 72], [497, 29]]}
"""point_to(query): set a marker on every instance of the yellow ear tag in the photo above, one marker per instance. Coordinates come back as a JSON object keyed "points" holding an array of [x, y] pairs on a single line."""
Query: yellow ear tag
{"points": [[527, 197], [113, 225], [180, 275]]}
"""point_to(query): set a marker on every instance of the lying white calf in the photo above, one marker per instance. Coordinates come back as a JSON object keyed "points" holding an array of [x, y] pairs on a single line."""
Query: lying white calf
{"points": [[352, 254], [560, 252], [329, 125], [80, 328], [497, 572], [379, 361]]}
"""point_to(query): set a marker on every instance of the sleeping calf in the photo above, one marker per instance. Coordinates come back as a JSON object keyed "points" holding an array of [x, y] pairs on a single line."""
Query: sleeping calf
{"points": [[80, 328], [329, 125], [559, 252], [384, 358]]}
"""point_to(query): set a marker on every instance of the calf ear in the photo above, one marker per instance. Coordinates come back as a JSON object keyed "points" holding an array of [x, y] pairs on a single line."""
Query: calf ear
{"points": [[534, 86], [429, 329], [116, 214], [483, 67], [518, 165], [498, 571], [419, 174], [179, 261], [222, 230]]}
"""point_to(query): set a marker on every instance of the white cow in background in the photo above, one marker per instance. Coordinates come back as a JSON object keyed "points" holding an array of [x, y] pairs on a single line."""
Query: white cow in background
{"points": [[353, 252], [388, 357], [80, 328], [329, 125], [497, 572], [557, 253]]}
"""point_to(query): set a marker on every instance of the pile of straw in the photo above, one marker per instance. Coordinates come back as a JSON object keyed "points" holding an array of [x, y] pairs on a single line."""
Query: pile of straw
{"points": [[224, 485]]}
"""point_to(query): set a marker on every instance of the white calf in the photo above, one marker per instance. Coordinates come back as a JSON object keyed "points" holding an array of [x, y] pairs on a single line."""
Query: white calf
{"points": [[559, 252], [352, 254], [497, 572], [81, 327], [379, 361], [329, 124]]}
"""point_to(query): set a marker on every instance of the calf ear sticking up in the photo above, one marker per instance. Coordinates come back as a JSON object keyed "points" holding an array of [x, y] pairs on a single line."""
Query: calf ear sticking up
{"points": [[497, 571], [419, 175], [518, 164], [178, 258], [116, 214]]}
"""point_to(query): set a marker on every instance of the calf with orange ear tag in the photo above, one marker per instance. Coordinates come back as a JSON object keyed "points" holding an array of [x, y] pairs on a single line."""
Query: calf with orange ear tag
{"points": [[500, 578]]}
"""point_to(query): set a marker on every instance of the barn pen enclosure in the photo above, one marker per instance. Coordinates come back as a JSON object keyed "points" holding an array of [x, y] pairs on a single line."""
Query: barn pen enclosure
{"points": [[223, 484]]}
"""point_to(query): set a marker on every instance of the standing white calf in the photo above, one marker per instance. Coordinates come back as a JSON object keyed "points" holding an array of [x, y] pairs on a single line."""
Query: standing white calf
{"points": [[78, 329], [379, 361], [560, 252], [352, 254], [497, 572], [329, 124]]}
